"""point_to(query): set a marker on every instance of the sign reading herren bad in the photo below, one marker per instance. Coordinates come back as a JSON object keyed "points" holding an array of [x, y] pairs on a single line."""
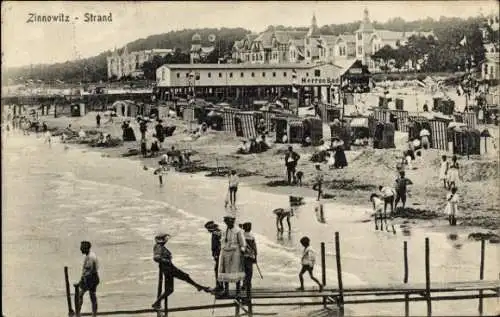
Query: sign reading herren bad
{"points": [[319, 81], [324, 75]]}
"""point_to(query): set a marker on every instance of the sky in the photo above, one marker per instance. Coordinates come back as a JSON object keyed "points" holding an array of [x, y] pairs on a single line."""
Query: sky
{"points": [[51, 42]]}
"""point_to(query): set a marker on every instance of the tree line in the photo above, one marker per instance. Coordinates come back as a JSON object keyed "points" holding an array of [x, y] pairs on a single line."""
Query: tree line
{"points": [[455, 47], [442, 53]]}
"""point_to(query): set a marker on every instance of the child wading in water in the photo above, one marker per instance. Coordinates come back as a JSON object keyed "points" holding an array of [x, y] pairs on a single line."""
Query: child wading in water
{"points": [[451, 206], [308, 260], [378, 207], [233, 187], [318, 181]]}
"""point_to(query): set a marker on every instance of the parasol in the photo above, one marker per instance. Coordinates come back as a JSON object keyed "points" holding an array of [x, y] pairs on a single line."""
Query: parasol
{"points": [[424, 132]]}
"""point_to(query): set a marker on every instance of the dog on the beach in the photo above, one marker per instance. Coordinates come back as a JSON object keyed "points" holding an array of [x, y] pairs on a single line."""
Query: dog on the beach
{"points": [[298, 177]]}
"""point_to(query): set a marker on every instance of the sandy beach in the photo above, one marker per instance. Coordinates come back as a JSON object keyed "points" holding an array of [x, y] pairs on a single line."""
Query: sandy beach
{"points": [[368, 168]]}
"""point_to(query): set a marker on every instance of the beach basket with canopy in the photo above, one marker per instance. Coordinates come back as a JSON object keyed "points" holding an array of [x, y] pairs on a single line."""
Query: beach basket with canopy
{"points": [[465, 141], [485, 134], [342, 132], [383, 137]]}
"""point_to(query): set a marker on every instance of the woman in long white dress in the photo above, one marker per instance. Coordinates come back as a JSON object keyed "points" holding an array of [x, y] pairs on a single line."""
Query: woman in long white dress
{"points": [[443, 171], [451, 206], [453, 173]]}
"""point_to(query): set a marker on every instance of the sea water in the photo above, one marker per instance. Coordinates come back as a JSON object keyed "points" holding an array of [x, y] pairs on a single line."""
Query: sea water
{"points": [[55, 197]]}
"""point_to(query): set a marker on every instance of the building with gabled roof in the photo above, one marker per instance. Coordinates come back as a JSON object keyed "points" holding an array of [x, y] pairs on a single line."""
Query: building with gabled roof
{"points": [[130, 64]]}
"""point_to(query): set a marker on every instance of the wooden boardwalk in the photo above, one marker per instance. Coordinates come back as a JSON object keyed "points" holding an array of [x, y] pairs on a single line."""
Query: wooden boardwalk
{"points": [[336, 298]]}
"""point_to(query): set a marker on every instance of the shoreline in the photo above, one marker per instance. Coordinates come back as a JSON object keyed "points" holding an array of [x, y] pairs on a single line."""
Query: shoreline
{"points": [[367, 169]]}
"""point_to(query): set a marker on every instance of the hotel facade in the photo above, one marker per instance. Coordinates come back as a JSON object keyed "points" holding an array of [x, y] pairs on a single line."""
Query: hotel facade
{"points": [[130, 64], [309, 47]]}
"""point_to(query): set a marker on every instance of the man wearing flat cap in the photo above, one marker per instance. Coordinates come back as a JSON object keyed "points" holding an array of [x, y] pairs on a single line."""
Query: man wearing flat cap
{"points": [[231, 259], [215, 233], [164, 257]]}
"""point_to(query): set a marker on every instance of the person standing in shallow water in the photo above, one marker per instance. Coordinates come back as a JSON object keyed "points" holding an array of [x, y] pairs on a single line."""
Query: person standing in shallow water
{"points": [[89, 279], [233, 187], [231, 261], [401, 189], [163, 256]]}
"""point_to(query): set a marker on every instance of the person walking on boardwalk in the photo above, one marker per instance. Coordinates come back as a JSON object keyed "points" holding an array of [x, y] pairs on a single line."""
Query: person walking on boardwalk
{"points": [[451, 206], [308, 260], [234, 181], [163, 256], [98, 120], [291, 159], [401, 189], [89, 279], [216, 235], [443, 171], [231, 261], [250, 254]]}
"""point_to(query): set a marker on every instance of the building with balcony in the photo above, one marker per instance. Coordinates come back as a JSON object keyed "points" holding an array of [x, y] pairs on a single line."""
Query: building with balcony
{"points": [[130, 64], [293, 46]]}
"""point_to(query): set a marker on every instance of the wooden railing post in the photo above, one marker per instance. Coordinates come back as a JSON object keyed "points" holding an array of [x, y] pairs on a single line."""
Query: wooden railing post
{"points": [[405, 279], [77, 300], [71, 312], [427, 279], [481, 277], [160, 285], [166, 288], [340, 301], [323, 270], [249, 299]]}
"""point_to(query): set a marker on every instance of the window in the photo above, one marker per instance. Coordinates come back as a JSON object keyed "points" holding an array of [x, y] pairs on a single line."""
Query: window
{"points": [[307, 74], [220, 75], [253, 74], [163, 74], [308, 54], [263, 74], [360, 50], [187, 74], [209, 75], [492, 71], [360, 36], [241, 74], [274, 74], [178, 75], [230, 75], [284, 74], [317, 73]]}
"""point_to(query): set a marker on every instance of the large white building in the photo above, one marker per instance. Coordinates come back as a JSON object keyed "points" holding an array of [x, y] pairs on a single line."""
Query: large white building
{"points": [[129, 64], [244, 82], [490, 69]]}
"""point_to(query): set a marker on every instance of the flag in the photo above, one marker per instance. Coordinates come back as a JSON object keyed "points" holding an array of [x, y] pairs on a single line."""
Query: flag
{"points": [[463, 42]]}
